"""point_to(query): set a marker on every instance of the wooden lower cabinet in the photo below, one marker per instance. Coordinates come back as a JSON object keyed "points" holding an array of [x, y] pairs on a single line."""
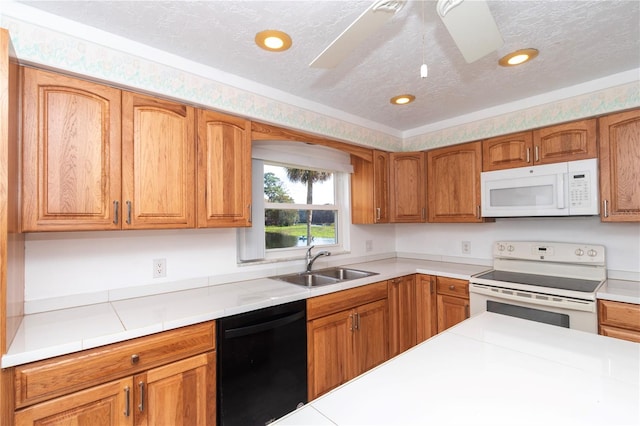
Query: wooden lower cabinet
{"points": [[426, 310], [347, 334], [104, 405], [158, 386], [452, 301], [619, 320], [402, 314]]}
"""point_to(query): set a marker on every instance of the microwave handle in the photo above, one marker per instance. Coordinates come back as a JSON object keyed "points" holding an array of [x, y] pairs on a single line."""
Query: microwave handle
{"points": [[560, 192]]}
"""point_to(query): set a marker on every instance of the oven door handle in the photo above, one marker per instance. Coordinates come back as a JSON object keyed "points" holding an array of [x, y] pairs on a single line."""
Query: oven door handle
{"points": [[533, 299]]}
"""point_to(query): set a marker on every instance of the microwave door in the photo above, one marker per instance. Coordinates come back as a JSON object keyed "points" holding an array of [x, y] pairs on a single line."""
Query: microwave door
{"points": [[525, 196]]}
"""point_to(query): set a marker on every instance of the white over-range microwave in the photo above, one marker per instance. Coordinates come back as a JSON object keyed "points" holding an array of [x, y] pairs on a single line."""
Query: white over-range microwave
{"points": [[560, 189]]}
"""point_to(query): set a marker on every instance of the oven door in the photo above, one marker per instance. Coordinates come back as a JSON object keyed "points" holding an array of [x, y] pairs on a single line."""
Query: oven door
{"points": [[554, 310]]}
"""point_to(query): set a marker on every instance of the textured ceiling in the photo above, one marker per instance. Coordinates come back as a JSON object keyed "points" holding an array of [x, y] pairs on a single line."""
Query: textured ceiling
{"points": [[579, 41]]}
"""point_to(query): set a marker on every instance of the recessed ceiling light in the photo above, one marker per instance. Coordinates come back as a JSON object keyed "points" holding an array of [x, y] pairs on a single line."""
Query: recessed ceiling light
{"points": [[402, 99], [518, 57], [273, 40]]}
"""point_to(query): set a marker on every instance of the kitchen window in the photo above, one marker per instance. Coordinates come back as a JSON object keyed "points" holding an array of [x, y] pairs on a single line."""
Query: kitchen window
{"points": [[300, 198]]}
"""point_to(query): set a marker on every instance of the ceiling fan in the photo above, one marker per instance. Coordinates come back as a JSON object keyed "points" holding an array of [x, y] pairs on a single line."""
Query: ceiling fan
{"points": [[469, 22]]}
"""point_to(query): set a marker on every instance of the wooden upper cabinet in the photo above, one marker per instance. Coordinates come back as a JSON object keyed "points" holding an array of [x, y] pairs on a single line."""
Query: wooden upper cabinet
{"points": [[565, 142], [407, 187], [224, 170], [158, 163], [381, 186], [71, 153], [554, 144], [620, 166], [505, 152], [370, 189], [454, 183]]}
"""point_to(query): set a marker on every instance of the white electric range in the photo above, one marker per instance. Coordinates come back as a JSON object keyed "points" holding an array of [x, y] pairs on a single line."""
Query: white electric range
{"points": [[549, 282]]}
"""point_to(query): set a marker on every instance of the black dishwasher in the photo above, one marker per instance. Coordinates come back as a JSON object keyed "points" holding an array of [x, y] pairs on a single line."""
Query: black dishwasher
{"points": [[262, 364]]}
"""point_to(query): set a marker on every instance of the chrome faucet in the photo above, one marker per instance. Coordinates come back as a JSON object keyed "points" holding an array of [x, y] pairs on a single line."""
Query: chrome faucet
{"points": [[310, 259]]}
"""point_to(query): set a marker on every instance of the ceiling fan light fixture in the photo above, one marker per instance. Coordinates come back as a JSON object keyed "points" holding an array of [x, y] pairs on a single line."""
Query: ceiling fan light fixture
{"points": [[518, 57], [402, 99], [273, 40]]}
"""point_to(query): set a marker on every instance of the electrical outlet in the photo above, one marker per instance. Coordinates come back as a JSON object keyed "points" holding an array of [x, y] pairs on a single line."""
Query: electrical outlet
{"points": [[368, 245], [159, 268], [466, 247]]}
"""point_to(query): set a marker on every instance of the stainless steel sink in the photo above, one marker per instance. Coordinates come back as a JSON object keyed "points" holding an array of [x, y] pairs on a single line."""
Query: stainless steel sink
{"points": [[324, 276], [308, 279], [344, 274]]}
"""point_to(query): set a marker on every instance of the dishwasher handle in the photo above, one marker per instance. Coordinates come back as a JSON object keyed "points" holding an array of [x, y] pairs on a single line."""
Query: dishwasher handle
{"points": [[264, 326]]}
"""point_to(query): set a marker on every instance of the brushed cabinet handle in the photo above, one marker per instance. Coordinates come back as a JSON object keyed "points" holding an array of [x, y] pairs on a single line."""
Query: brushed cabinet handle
{"points": [[606, 208], [528, 155], [141, 405], [128, 212], [424, 213], [351, 322], [377, 213], [249, 207], [116, 209], [127, 408], [537, 154], [357, 321], [466, 311], [478, 215], [135, 358]]}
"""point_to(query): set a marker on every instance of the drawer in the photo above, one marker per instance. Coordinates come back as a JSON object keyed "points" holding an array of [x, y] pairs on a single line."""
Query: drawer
{"points": [[53, 377], [342, 300], [620, 333], [625, 315], [453, 287]]}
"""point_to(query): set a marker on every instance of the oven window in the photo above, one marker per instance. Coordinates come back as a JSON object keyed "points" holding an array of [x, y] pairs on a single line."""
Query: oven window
{"points": [[553, 318]]}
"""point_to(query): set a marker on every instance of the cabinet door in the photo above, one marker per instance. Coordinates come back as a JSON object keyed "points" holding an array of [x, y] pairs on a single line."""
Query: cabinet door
{"points": [[451, 310], [181, 393], [620, 167], [105, 405], [565, 142], [454, 183], [407, 175], [370, 189], [402, 314], [224, 170], [158, 169], [426, 313], [371, 343], [505, 152], [71, 153], [329, 349], [381, 186]]}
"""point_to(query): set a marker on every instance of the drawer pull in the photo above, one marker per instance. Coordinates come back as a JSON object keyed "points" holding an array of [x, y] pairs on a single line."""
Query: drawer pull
{"points": [[127, 409], [141, 405], [452, 287], [135, 358]]}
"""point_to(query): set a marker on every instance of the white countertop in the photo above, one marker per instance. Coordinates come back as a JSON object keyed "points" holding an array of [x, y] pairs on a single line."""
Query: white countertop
{"points": [[494, 370], [620, 291], [48, 334]]}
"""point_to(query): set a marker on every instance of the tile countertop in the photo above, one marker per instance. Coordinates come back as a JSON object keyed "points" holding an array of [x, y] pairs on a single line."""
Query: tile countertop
{"points": [[494, 370], [48, 334]]}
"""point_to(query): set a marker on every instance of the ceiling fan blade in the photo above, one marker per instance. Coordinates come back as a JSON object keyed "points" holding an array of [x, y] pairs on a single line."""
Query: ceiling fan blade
{"points": [[370, 21], [471, 26]]}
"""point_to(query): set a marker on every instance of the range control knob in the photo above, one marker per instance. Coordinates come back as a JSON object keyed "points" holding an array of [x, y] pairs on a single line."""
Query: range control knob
{"points": [[500, 247], [579, 252], [592, 253], [510, 248]]}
